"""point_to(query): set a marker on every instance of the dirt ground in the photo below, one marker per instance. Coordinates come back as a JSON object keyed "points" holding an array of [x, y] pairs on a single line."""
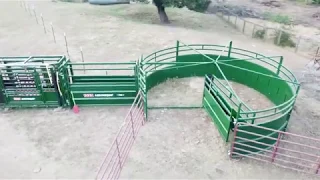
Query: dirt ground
{"points": [[175, 143]]}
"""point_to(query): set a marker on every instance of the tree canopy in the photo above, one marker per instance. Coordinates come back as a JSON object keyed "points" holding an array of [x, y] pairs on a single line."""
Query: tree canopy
{"points": [[194, 5]]}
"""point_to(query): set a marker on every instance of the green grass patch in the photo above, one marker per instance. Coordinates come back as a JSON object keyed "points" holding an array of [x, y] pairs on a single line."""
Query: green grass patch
{"points": [[278, 18]]}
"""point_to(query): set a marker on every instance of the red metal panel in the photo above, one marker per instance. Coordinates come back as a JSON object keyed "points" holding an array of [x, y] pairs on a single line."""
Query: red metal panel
{"points": [[291, 151], [118, 153]]}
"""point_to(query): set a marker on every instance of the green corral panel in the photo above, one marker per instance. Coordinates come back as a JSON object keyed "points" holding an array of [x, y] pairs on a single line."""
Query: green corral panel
{"points": [[104, 90], [277, 90], [218, 116]]}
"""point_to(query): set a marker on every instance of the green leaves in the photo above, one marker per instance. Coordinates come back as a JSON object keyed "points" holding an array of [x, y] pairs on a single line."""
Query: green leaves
{"points": [[194, 5]]}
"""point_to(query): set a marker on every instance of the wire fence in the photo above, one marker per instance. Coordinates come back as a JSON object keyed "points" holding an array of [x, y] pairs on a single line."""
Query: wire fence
{"points": [[49, 29], [301, 44]]}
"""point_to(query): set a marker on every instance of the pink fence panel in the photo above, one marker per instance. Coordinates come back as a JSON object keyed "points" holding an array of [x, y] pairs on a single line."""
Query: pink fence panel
{"points": [[116, 157], [291, 151]]}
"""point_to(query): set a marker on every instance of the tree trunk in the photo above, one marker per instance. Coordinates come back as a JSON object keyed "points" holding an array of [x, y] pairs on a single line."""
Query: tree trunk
{"points": [[161, 11]]}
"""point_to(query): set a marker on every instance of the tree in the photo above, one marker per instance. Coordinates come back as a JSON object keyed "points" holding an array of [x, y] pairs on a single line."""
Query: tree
{"points": [[194, 5]]}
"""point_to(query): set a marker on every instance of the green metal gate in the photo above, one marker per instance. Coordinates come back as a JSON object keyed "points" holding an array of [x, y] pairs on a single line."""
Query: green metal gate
{"points": [[220, 111], [30, 81], [97, 84]]}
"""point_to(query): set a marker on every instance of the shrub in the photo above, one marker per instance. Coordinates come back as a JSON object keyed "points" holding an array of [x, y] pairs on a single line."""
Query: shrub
{"points": [[285, 39], [259, 34]]}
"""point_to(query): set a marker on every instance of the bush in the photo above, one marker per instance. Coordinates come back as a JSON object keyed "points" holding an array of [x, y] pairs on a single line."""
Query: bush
{"points": [[278, 18], [285, 39], [259, 34], [315, 1]]}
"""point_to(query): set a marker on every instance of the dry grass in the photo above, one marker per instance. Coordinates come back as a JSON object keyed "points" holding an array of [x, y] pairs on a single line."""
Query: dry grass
{"points": [[147, 13]]}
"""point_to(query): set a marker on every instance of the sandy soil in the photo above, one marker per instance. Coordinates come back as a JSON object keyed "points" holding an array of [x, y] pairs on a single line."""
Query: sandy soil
{"points": [[56, 143], [65, 145], [178, 144]]}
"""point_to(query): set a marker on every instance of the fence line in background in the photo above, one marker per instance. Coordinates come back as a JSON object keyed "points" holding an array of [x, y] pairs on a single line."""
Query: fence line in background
{"points": [[59, 38], [278, 36]]}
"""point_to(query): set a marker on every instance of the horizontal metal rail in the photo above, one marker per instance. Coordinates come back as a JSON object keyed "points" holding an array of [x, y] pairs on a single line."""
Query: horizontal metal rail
{"points": [[113, 162], [305, 157]]}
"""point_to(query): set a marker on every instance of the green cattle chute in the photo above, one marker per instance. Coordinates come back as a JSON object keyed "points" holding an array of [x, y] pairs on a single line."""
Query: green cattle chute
{"points": [[52, 81]]}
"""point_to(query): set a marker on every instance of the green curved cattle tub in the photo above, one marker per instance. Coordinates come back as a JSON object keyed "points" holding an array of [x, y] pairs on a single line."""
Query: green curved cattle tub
{"points": [[265, 74]]}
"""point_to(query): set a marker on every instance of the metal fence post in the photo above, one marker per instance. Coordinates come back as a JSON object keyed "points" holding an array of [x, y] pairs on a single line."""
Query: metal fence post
{"points": [[275, 148], [280, 65], [230, 48], [44, 27], [238, 112], [235, 21], [297, 44], [279, 36], [244, 26], [82, 59], [35, 14], [117, 144], [234, 140], [253, 30], [177, 50], [132, 124], [265, 29], [54, 37], [66, 43]]}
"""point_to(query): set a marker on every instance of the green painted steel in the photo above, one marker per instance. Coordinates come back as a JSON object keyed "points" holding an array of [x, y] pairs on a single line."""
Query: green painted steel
{"points": [[30, 81], [88, 89], [216, 112], [55, 81], [264, 74]]}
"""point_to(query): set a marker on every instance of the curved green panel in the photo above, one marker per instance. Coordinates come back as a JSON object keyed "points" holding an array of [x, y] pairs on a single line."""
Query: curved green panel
{"points": [[275, 89]]}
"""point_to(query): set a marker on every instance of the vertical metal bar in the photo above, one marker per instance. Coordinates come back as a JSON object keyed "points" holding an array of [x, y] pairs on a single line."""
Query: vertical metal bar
{"points": [[204, 88], [35, 14], [132, 125], [44, 27], [230, 48], [265, 29], [253, 30], [177, 50], [66, 42], [297, 44], [238, 112], [82, 59], [54, 37], [235, 21], [244, 26], [234, 140], [275, 148], [279, 36], [117, 144], [253, 120], [155, 60], [280, 65]]}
